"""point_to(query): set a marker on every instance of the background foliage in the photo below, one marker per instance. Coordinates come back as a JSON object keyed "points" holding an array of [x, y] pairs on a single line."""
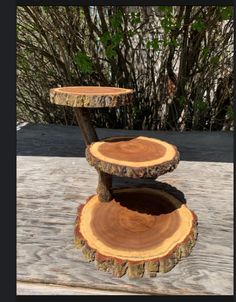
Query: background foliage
{"points": [[178, 59]]}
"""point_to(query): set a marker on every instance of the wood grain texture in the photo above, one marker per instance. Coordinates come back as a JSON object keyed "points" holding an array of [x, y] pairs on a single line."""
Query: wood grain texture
{"points": [[141, 230], [49, 189], [29, 289], [136, 157]]}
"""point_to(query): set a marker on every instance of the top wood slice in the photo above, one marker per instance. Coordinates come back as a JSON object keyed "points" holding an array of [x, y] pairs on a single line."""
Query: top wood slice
{"points": [[136, 157], [91, 96]]}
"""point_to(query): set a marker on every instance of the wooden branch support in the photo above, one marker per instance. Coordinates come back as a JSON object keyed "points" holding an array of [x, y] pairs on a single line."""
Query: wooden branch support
{"points": [[104, 186], [86, 127], [90, 136]]}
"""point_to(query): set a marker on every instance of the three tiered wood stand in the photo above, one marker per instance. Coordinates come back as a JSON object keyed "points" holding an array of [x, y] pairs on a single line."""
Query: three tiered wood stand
{"points": [[132, 230]]}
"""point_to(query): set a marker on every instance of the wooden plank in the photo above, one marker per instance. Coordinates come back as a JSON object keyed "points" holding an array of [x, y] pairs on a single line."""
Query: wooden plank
{"points": [[57, 140], [49, 189], [27, 288]]}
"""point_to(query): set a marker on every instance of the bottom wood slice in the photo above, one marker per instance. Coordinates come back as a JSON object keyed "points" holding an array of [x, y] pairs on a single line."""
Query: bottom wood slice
{"points": [[142, 230]]}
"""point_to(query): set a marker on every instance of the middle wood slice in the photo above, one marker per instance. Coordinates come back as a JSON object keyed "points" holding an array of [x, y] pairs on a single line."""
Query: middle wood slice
{"points": [[136, 157]]}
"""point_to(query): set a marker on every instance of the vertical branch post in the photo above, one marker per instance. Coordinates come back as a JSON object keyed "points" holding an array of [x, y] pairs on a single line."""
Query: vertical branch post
{"points": [[90, 136]]}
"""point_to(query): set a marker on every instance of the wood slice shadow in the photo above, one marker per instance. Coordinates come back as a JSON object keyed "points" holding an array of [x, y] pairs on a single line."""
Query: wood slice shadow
{"points": [[120, 182]]}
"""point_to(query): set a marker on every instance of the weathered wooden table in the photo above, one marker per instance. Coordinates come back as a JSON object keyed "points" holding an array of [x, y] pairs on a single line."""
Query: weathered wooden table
{"points": [[49, 188]]}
